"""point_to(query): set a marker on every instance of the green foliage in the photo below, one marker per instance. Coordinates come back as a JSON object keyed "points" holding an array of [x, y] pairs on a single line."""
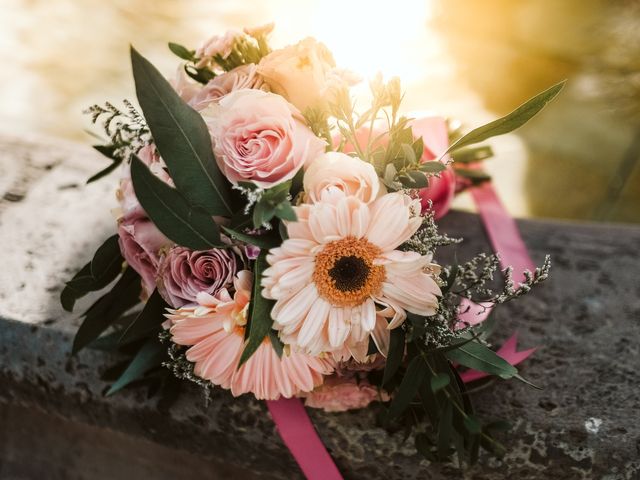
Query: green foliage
{"points": [[95, 275], [260, 320], [510, 122], [150, 356], [150, 318], [108, 309], [183, 223], [182, 52], [182, 138]]}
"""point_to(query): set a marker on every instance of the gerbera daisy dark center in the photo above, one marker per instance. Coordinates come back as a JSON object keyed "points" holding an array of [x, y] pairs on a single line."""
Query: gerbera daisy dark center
{"points": [[349, 273], [345, 273]]}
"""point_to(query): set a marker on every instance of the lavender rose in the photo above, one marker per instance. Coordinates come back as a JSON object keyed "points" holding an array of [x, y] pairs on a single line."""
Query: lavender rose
{"points": [[184, 273]]}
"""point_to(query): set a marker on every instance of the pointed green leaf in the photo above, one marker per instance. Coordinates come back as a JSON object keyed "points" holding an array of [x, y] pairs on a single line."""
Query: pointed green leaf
{"points": [[260, 320], [149, 356], [413, 377], [472, 154], [277, 344], [266, 241], [181, 51], [480, 357], [445, 429], [432, 167], [285, 211], [182, 138], [395, 355], [106, 262], [510, 122], [149, 318], [106, 310], [439, 381], [171, 213], [69, 294]]}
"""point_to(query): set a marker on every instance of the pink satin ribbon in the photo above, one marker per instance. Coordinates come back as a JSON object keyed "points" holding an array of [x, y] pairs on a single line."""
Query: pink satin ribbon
{"points": [[290, 416], [302, 440]]}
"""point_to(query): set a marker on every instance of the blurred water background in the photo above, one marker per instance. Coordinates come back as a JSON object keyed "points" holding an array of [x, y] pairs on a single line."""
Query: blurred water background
{"points": [[469, 59]]}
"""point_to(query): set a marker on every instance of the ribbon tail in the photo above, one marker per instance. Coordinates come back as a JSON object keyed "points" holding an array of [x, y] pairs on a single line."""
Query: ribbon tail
{"points": [[302, 440]]}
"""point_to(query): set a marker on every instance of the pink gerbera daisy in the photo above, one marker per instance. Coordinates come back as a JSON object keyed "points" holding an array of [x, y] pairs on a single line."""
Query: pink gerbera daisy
{"points": [[340, 268], [214, 330]]}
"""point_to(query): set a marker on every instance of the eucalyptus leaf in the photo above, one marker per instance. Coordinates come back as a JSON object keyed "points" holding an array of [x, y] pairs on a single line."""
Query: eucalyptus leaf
{"points": [[107, 309], [510, 122], [150, 355], [432, 166], [445, 430], [149, 318], [480, 357], [285, 211], [260, 321], [171, 213], [439, 381], [267, 240], [182, 138], [413, 377], [395, 355], [472, 154]]}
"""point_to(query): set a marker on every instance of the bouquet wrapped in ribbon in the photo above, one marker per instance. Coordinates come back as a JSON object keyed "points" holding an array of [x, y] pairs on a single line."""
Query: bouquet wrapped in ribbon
{"points": [[276, 240]]}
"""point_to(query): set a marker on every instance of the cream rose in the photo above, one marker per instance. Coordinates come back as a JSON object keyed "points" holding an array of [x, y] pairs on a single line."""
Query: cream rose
{"points": [[299, 72], [339, 171], [259, 137]]}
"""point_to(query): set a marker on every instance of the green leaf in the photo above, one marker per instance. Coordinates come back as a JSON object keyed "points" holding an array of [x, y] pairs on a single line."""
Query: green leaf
{"points": [[445, 429], [472, 154], [107, 309], [182, 138], [395, 355], [475, 175], [510, 122], [149, 356], [267, 240], [432, 167], [409, 153], [480, 357], [413, 179], [413, 377], [472, 425], [105, 266], [277, 344], [200, 75], [182, 52], [285, 211], [107, 262], [263, 212], [105, 171], [171, 213], [440, 381], [260, 320], [149, 318], [69, 295]]}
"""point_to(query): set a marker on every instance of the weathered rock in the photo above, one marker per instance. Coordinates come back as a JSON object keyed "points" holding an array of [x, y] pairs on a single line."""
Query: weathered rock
{"points": [[56, 423]]}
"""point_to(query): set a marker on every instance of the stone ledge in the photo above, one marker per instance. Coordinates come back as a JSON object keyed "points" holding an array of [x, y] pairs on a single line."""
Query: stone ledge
{"points": [[582, 425]]}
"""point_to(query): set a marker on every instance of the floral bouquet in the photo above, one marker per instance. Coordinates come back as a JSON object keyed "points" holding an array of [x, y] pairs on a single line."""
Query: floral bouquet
{"points": [[282, 241]]}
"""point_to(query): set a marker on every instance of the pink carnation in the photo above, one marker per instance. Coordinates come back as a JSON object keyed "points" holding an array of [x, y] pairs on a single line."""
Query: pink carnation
{"points": [[259, 137], [184, 273], [341, 394]]}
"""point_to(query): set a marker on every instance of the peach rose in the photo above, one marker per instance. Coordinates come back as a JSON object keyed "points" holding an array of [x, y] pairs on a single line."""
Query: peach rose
{"points": [[301, 72], [244, 76], [217, 45], [259, 137], [339, 171]]}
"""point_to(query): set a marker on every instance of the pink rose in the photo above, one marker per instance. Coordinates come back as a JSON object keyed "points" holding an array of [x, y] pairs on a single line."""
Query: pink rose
{"points": [[341, 394], [441, 190], [140, 243], [184, 273], [259, 137], [245, 76]]}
